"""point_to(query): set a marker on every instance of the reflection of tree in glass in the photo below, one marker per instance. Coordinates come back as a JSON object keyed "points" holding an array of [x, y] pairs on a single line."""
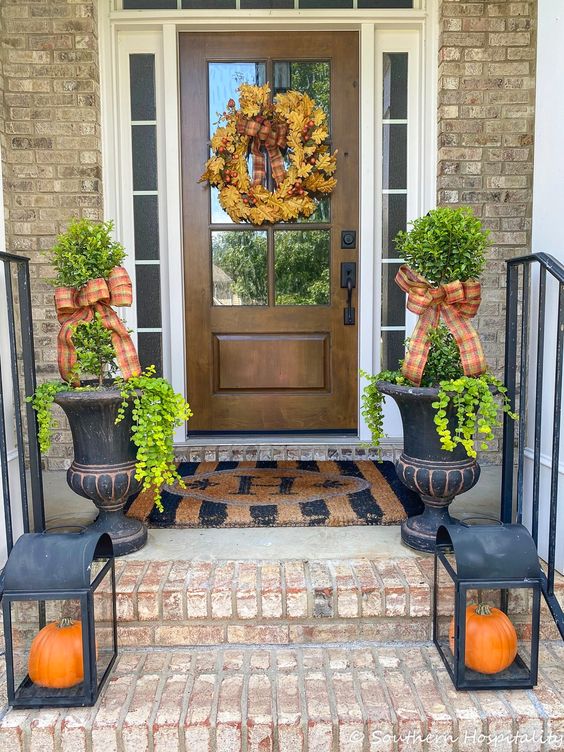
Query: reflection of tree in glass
{"points": [[301, 267], [313, 79], [242, 257]]}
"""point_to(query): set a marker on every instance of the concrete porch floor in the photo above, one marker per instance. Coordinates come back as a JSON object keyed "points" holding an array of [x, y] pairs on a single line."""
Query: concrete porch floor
{"points": [[64, 507]]}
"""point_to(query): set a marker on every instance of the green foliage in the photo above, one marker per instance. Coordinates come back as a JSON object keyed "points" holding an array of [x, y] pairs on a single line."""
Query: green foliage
{"points": [[301, 267], [443, 362], [372, 402], [478, 402], [242, 257], [445, 245], [476, 408], [157, 410], [95, 352], [42, 403], [313, 79], [85, 251]]}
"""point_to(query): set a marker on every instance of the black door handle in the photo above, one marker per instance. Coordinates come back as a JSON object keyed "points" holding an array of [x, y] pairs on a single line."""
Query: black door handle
{"points": [[348, 281]]}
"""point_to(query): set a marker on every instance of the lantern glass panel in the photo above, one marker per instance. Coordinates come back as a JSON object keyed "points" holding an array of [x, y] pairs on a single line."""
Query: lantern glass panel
{"points": [[104, 624], [498, 635], [445, 595], [47, 660]]}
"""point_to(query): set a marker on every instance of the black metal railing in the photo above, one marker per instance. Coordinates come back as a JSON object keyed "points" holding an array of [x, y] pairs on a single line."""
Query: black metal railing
{"points": [[535, 311], [21, 362]]}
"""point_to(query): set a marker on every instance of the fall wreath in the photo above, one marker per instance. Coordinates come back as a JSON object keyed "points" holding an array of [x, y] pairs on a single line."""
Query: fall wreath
{"points": [[292, 130]]}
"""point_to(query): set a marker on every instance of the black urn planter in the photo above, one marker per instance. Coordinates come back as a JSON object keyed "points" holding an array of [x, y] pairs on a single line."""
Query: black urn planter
{"points": [[103, 469], [425, 467]]}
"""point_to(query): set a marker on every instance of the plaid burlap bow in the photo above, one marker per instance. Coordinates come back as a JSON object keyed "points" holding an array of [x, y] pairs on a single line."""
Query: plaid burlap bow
{"points": [[97, 296], [273, 136], [455, 302]]}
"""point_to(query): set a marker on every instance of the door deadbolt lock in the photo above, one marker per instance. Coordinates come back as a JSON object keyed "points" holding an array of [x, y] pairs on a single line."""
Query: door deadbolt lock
{"points": [[348, 239]]}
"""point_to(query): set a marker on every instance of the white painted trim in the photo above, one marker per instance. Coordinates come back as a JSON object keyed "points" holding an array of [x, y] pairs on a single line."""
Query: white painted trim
{"points": [[177, 360], [225, 20], [410, 41], [369, 316], [544, 459], [415, 31]]}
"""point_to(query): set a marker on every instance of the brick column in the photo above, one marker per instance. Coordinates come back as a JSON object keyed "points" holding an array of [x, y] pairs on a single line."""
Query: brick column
{"points": [[485, 125], [51, 145]]}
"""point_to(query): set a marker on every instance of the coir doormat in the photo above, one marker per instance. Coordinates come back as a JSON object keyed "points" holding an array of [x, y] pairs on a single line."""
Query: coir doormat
{"points": [[276, 494]]}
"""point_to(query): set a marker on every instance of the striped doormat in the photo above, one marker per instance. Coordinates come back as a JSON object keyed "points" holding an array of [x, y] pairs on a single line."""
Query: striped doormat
{"points": [[278, 494]]}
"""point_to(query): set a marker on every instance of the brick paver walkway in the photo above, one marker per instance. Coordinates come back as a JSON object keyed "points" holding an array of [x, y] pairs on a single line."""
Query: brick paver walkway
{"points": [[320, 699]]}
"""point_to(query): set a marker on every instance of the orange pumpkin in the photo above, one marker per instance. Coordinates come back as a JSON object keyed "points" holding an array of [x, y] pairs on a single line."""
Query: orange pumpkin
{"points": [[55, 656], [491, 640]]}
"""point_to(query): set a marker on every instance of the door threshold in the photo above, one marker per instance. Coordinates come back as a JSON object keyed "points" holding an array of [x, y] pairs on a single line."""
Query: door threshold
{"points": [[270, 440]]}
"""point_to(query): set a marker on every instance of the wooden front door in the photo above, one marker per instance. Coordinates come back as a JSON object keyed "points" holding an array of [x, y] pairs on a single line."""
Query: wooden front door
{"points": [[267, 345]]}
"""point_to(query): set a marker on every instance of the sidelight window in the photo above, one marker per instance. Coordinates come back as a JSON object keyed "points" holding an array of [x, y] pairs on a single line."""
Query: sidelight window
{"points": [[146, 209], [394, 202]]}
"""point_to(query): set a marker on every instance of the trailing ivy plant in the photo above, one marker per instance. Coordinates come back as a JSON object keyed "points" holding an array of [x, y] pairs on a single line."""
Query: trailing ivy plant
{"points": [[157, 410], [372, 404], [476, 409], [83, 252], [42, 402], [155, 407], [479, 402]]}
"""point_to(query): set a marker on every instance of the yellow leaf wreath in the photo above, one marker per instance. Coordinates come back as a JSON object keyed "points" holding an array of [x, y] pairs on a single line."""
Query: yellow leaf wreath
{"points": [[293, 124]]}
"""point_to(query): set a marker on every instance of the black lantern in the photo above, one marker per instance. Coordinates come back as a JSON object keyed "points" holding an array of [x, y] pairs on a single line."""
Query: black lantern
{"points": [[59, 611], [486, 604]]}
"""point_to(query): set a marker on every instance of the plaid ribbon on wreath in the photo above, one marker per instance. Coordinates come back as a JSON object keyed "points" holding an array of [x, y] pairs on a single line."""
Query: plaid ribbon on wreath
{"points": [[273, 136], [455, 302], [97, 296]]}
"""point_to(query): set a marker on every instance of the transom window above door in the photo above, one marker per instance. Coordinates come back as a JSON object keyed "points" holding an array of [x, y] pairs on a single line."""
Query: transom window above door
{"points": [[262, 4]]}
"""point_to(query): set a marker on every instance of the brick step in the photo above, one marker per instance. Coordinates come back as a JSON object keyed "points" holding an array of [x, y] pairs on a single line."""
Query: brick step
{"points": [[375, 698], [185, 603]]}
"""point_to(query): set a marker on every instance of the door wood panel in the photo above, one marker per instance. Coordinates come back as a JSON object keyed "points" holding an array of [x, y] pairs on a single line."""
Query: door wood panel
{"points": [[254, 362], [269, 367]]}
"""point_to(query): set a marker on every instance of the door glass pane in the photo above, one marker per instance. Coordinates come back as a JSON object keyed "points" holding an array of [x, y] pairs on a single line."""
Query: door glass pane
{"points": [[144, 157], [394, 92], [322, 212], [393, 299], [394, 219], [239, 268], [301, 267], [311, 77], [223, 81], [394, 173], [148, 289], [393, 349]]}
